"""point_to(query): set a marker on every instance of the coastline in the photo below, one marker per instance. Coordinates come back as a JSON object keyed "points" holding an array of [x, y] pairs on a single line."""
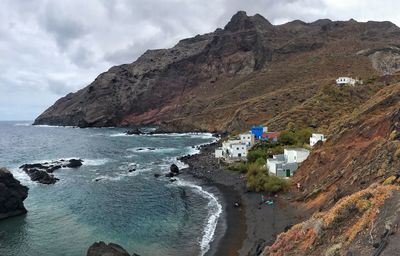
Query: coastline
{"points": [[243, 230]]}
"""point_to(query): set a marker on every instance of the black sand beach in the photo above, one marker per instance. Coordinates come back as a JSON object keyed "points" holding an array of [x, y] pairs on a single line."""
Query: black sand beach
{"points": [[250, 227]]}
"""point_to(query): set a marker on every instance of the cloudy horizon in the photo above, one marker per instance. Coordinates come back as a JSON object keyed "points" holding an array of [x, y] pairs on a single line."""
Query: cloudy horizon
{"points": [[51, 48]]}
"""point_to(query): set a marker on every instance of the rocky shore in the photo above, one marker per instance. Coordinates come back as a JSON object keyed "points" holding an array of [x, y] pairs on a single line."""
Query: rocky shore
{"points": [[42, 172], [12, 195], [251, 225]]}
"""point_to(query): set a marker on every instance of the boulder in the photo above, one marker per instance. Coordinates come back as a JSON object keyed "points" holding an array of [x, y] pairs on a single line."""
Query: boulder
{"points": [[174, 169], [133, 131], [41, 176], [103, 249], [156, 175], [74, 163], [12, 195]]}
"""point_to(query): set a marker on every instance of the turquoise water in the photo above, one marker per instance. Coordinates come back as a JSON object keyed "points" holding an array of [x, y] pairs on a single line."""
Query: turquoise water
{"points": [[144, 214]]}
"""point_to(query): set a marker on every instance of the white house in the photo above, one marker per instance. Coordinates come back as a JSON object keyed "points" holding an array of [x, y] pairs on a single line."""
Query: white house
{"points": [[315, 138], [285, 164], [233, 149], [247, 139], [341, 81]]}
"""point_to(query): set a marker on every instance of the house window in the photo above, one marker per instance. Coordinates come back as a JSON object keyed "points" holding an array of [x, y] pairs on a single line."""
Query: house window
{"points": [[237, 149]]}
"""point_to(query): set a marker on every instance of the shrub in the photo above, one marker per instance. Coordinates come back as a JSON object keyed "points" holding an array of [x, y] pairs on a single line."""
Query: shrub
{"points": [[275, 184], [259, 180], [253, 155]]}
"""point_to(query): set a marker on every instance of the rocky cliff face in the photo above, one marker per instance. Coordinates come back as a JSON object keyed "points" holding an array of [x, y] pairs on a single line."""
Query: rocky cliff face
{"points": [[12, 195], [245, 73]]}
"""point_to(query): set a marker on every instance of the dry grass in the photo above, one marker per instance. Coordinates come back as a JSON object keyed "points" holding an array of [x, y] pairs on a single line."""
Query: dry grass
{"points": [[341, 224]]}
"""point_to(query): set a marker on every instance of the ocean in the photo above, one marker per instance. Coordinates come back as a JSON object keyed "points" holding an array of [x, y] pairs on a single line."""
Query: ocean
{"points": [[101, 200]]}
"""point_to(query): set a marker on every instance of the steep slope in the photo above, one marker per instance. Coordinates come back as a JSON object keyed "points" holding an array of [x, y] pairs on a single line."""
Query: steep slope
{"points": [[363, 148], [246, 73], [350, 186]]}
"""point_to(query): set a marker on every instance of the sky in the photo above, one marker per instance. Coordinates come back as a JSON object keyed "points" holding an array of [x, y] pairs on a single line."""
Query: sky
{"points": [[49, 48]]}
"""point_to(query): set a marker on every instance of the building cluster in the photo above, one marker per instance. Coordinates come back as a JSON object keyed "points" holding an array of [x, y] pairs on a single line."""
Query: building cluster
{"points": [[283, 165], [237, 148]]}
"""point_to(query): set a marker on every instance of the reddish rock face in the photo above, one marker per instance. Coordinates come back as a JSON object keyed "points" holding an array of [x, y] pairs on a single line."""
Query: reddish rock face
{"points": [[231, 78], [12, 195]]}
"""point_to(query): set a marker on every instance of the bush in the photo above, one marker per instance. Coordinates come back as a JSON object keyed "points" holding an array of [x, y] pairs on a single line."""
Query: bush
{"points": [[258, 180], [253, 155], [297, 137], [275, 184]]}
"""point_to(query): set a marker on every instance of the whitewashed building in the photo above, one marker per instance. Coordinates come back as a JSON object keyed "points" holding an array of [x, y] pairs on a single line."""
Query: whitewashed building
{"points": [[284, 165], [247, 139], [342, 81], [315, 138], [235, 149]]}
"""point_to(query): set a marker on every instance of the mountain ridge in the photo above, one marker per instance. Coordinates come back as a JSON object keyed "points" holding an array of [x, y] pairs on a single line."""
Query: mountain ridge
{"points": [[217, 81]]}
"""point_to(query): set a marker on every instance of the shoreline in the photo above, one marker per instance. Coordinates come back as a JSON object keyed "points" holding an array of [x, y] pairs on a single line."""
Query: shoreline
{"points": [[247, 229]]}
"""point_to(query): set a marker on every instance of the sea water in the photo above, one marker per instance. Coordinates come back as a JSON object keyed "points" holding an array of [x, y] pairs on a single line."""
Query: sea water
{"points": [[102, 200]]}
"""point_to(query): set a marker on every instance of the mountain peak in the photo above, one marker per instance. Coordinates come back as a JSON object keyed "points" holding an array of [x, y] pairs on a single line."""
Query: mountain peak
{"points": [[241, 21]]}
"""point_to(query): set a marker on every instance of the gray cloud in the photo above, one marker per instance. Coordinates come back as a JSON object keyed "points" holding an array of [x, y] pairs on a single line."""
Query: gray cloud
{"points": [[49, 48]]}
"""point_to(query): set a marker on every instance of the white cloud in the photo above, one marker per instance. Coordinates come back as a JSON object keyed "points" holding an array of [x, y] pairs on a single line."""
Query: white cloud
{"points": [[49, 48]]}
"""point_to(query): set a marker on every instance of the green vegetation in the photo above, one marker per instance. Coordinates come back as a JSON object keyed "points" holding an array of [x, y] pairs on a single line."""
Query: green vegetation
{"points": [[297, 137], [258, 180]]}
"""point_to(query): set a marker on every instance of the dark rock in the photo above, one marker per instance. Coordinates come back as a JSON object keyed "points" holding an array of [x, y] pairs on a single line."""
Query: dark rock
{"points": [[132, 170], [53, 168], [12, 195], [236, 204], [102, 249], [170, 175], [174, 169], [41, 176], [97, 179], [40, 171], [173, 180], [74, 163], [134, 131], [157, 175], [151, 148]]}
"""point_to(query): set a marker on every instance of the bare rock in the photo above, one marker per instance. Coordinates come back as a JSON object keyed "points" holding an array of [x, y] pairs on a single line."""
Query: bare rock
{"points": [[103, 249], [12, 195]]}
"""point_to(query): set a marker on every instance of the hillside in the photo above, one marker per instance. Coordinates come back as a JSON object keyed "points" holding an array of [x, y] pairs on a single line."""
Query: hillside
{"points": [[247, 73], [350, 186]]}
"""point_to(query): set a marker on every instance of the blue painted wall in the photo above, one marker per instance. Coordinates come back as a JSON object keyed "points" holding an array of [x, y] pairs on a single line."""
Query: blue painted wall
{"points": [[257, 131]]}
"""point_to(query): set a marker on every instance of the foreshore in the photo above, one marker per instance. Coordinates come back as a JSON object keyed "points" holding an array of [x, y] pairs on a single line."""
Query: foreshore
{"points": [[252, 225]]}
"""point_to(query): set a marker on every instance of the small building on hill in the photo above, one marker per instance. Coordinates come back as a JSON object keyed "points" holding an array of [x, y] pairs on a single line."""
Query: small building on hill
{"points": [[284, 165], [315, 138], [343, 81]]}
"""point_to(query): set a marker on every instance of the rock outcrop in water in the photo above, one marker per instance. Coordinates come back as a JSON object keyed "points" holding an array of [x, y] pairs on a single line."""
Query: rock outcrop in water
{"points": [[111, 249], [243, 74], [41, 172], [12, 195]]}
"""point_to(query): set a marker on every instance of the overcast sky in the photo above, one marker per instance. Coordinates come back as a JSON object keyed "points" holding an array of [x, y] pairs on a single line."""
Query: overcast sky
{"points": [[49, 48]]}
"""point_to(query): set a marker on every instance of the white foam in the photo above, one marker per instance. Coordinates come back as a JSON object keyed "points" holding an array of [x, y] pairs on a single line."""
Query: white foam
{"points": [[53, 126], [120, 134], [151, 149], [215, 210], [95, 162]]}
